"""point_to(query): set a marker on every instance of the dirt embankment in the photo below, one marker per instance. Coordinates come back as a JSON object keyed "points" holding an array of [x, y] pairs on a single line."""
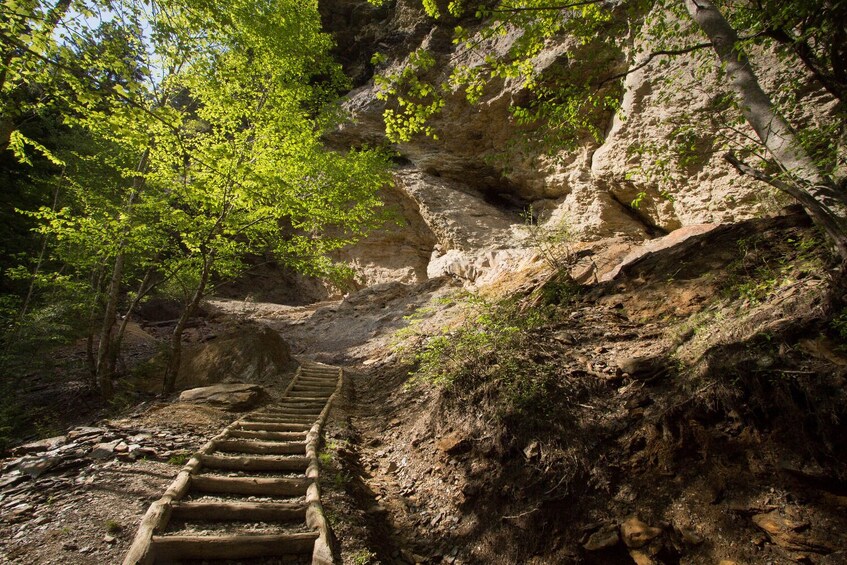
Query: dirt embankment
{"points": [[701, 420]]}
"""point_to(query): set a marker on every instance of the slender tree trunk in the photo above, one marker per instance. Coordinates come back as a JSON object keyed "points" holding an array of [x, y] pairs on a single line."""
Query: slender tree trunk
{"points": [[96, 286], [7, 126], [39, 262], [143, 289], [104, 349], [176, 338], [105, 354], [818, 194]]}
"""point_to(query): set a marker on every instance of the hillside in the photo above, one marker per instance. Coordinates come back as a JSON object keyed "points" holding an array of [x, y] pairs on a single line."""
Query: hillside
{"points": [[615, 349]]}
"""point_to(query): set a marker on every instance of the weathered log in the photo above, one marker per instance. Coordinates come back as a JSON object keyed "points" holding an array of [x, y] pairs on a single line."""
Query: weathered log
{"points": [[267, 436], [249, 486], [271, 464], [232, 547], [262, 447], [272, 427], [225, 511]]}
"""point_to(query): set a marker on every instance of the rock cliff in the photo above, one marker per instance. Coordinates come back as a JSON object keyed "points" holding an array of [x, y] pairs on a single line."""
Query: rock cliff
{"points": [[462, 197]]}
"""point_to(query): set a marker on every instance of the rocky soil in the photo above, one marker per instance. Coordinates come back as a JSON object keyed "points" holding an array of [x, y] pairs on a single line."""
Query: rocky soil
{"points": [[694, 444], [78, 498]]}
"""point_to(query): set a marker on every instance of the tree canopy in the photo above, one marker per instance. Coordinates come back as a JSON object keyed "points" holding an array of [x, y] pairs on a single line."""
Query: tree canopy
{"points": [[190, 137]]}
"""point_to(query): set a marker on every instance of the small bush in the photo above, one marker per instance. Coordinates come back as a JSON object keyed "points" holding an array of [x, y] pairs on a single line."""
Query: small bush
{"points": [[363, 557], [500, 359], [179, 459]]}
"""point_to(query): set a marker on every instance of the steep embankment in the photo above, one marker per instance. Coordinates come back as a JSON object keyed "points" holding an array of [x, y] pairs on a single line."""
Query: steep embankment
{"points": [[688, 408]]}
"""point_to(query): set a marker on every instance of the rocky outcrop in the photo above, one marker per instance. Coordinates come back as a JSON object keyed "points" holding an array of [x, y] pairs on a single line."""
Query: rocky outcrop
{"points": [[229, 396], [253, 354], [400, 250], [470, 184]]}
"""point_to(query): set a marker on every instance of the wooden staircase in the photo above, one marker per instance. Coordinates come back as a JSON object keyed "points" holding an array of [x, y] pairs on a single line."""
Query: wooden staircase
{"points": [[252, 491]]}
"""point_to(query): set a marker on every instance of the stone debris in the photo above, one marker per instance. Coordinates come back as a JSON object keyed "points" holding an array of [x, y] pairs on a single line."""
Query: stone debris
{"points": [[453, 444], [63, 461], [604, 538], [791, 534], [636, 533]]}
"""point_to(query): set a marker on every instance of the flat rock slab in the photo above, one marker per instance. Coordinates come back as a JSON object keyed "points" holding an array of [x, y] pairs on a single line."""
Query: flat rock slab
{"points": [[228, 396]]}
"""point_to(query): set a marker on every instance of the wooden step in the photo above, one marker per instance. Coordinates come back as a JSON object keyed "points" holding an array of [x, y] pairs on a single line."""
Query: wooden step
{"points": [[291, 410], [249, 486], [267, 436], [242, 511], [317, 384], [290, 398], [262, 447], [281, 418], [298, 403], [169, 548], [318, 394], [318, 380], [274, 427], [270, 464]]}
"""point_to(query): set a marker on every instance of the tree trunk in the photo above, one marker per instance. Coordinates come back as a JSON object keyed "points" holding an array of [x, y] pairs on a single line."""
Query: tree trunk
{"points": [[104, 349], [172, 369], [143, 289], [106, 353], [817, 193], [91, 359]]}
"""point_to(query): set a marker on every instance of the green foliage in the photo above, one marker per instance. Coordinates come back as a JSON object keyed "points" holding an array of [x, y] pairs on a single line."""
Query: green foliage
{"points": [[189, 134], [553, 242], [363, 557], [12, 413], [755, 279], [566, 105], [179, 459], [417, 100], [838, 324], [113, 528], [488, 355]]}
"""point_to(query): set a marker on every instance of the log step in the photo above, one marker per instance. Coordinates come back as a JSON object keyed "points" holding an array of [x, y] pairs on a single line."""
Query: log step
{"points": [[270, 464], [317, 404], [309, 393], [249, 486], [318, 381], [291, 410], [280, 419], [169, 548], [273, 427], [242, 511], [267, 436], [263, 447], [258, 415], [326, 385], [297, 399]]}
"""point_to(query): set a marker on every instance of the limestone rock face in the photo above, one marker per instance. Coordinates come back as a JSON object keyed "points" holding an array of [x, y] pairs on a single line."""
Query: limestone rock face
{"points": [[400, 250], [468, 187]]}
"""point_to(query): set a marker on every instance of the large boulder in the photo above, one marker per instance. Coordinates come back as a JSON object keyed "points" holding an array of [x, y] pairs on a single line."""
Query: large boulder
{"points": [[228, 396], [251, 354]]}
